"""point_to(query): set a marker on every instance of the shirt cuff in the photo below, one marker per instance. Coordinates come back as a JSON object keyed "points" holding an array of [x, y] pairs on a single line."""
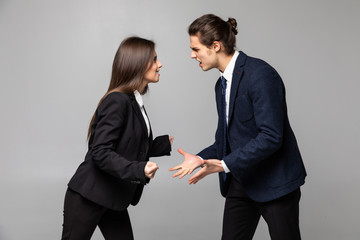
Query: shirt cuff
{"points": [[202, 165], [226, 169]]}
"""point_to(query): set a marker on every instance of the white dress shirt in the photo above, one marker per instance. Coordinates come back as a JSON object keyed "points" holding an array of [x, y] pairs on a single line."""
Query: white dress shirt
{"points": [[139, 100], [228, 74]]}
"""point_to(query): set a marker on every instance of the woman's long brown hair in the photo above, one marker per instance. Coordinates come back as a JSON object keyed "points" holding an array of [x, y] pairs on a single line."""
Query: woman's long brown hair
{"points": [[130, 64]]}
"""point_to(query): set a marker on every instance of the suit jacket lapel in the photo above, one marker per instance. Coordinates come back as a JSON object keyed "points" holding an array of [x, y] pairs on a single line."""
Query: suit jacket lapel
{"points": [[237, 74], [138, 113]]}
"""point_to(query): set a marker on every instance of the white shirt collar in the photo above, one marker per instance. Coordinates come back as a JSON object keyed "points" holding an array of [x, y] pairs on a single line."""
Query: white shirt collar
{"points": [[138, 98], [228, 73]]}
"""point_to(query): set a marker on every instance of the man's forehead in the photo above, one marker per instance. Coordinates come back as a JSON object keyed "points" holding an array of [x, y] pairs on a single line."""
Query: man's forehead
{"points": [[194, 42]]}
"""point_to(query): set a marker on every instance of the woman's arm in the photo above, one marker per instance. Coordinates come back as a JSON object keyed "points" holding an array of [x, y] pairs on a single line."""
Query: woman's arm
{"points": [[161, 146], [112, 114]]}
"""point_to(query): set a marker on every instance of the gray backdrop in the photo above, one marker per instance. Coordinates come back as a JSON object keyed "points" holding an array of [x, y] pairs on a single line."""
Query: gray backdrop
{"points": [[55, 60]]}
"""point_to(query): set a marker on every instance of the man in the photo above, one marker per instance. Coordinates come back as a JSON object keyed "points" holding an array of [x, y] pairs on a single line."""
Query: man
{"points": [[255, 151]]}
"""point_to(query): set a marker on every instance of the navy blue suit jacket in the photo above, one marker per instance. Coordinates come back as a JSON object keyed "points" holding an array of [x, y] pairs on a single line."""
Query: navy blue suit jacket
{"points": [[262, 150]]}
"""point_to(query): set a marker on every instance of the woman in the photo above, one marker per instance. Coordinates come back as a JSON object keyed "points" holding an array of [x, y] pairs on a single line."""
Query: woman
{"points": [[116, 166]]}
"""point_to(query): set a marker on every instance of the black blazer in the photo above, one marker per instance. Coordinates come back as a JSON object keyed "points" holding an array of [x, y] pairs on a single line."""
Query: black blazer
{"points": [[263, 153], [112, 174]]}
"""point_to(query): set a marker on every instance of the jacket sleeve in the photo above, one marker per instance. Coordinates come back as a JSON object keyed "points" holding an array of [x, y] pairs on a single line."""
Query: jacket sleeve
{"points": [[209, 152], [267, 94], [160, 147], [112, 114]]}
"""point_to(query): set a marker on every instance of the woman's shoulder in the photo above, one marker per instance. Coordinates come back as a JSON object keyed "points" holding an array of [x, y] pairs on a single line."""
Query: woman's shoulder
{"points": [[115, 100], [117, 97]]}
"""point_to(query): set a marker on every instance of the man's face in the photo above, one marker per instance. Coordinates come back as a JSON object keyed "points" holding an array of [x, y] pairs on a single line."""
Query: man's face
{"points": [[206, 56]]}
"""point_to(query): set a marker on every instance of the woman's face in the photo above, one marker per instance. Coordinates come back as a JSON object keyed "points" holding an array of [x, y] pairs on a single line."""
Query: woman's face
{"points": [[152, 75]]}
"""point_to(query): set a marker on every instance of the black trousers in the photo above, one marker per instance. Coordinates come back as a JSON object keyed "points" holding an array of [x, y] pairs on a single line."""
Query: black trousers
{"points": [[241, 215], [82, 216]]}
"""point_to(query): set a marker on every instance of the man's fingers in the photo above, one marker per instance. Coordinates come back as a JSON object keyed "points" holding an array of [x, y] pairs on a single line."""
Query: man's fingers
{"points": [[193, 180], [185, 172], [182, 152], [197, 177], [181, 173], [175, 168], [178, 173]]}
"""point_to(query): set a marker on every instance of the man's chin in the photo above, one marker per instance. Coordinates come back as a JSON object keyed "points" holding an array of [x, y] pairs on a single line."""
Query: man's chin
{"points": [[203, 68]]}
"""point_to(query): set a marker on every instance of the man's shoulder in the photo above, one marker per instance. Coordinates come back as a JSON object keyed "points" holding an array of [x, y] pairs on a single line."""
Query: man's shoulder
{"points": [[254, 65], [253, 61]]}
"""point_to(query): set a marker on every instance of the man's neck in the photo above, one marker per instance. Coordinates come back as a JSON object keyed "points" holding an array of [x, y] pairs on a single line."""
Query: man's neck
{"points": [[224, 60]]}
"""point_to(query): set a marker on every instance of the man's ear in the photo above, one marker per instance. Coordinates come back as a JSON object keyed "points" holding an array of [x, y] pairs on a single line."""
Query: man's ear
{"points": [[217, 46]]}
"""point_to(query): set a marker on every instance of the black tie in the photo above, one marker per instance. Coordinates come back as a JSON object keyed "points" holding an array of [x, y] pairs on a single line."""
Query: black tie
{"points": [[223, 84]]}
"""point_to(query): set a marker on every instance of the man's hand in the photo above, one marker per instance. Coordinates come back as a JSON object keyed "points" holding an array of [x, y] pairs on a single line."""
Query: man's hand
{"points": [[150, 169], [190, 163], [211, 166]]}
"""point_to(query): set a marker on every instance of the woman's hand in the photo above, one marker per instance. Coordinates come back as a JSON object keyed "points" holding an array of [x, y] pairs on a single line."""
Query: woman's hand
{"points": [[150, 169], [171, 139]]}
